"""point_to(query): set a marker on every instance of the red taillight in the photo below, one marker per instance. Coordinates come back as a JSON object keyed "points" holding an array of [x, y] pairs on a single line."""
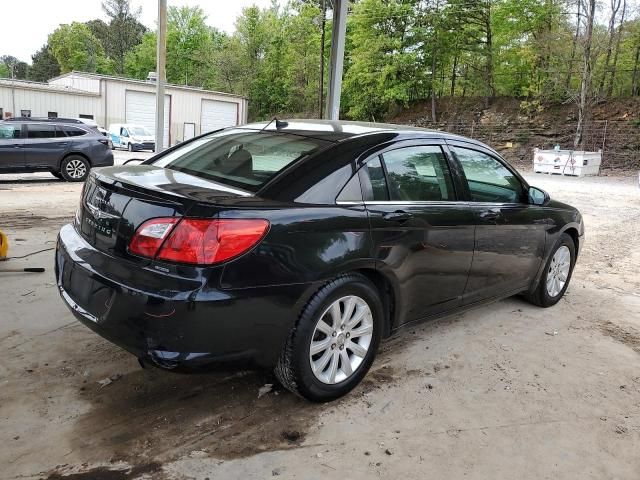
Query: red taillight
{"points": [[149, 237], [197, 241]]}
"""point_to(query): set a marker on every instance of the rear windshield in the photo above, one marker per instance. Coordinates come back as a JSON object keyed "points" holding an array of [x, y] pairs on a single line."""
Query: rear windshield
{"points": [[244, 159]]}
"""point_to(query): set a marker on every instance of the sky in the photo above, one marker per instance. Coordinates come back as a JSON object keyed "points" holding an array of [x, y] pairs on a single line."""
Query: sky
{"points": [[27, 23]]}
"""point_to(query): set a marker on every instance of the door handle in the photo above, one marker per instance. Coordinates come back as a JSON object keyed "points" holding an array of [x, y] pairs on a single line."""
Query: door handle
{"points": [[397, 216], [490, 214]]}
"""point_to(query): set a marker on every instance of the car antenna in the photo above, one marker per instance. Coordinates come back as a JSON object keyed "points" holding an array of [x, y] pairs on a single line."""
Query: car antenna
{"points": [[279, 124]]}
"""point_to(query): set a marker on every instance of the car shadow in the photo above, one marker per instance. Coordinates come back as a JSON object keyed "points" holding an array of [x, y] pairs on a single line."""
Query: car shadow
{"points": [[163, 416], [30, 181]]}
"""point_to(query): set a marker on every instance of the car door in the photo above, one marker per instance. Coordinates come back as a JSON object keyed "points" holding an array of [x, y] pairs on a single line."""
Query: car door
{"points": [[422, 234], [45, 145], [11, 145], [510, 232]]}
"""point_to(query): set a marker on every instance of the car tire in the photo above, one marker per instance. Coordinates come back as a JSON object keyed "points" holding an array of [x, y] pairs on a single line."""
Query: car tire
{"points": [[343, 324], [74, 168], [58, 175], [130, 147], [557, 274]]}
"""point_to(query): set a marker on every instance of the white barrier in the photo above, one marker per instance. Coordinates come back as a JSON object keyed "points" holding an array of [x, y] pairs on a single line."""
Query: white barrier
{"points": [[567, 162]]}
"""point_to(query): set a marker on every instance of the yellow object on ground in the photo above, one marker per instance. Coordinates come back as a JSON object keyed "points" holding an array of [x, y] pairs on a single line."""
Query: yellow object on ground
{"points": [[4, 246]]}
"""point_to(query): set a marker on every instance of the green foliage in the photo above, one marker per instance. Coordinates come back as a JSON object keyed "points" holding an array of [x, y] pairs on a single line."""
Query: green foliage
{"points": [[123, 32], [397, 52], [76, 48], [44, 65], [142, 59], [14, 68]]}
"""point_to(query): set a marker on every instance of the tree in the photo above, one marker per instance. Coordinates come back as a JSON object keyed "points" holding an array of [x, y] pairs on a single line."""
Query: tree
{"points": [[187, 36], [585, 85], [189, 45], [44, 65], [123, 32], [14, 67], [76, 48], [142, 58]]}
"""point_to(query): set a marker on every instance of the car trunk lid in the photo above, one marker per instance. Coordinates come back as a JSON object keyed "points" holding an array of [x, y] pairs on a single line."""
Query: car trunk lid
{"points": [[117, 200]]}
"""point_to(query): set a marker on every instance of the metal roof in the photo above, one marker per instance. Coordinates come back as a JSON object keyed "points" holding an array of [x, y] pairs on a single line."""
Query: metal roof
{"points": [[143, 82], [29, 85]]}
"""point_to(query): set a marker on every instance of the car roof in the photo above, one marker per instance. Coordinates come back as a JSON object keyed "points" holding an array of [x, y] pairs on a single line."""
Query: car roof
{"points": [[339, 130], [46, 120]]}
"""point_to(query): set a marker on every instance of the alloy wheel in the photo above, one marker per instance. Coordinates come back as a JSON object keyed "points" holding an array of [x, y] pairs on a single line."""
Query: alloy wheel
{"points": [[341, 339], [76, 169], [558, 272]]}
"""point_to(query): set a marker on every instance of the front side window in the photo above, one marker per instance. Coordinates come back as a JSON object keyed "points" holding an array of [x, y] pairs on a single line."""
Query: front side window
{"points": [[488, 179], [240, 158], [41, 131], [418, 173], [140, 132], [9, 130]]}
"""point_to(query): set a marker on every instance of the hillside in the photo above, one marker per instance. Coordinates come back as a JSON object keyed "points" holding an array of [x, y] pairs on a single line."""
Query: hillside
{"points": [[515, 130]]}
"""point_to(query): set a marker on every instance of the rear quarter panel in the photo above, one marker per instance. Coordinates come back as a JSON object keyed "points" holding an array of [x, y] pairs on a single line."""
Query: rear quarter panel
{"points": [[304, 244]]}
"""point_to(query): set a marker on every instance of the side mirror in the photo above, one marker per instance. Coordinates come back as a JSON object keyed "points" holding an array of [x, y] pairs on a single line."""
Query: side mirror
{"points": [[537, 196]]}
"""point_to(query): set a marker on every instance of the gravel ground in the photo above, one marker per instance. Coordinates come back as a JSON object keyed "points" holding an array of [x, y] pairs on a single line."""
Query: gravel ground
{"points": [[507, 390]]}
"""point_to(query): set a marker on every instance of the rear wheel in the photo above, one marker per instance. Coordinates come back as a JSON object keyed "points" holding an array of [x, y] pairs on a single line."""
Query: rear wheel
{"points": [[557, 274], [74, 168], [335, 341]]}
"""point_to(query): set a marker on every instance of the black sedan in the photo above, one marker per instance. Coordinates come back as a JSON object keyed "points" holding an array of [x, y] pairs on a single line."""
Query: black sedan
{"points": [[300, 245]]}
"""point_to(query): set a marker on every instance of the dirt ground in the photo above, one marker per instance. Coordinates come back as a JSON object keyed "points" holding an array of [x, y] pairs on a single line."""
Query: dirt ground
{"points": [[507, 390]]}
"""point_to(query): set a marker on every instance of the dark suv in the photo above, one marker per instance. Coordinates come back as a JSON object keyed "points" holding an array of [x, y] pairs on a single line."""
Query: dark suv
{"points": [[65, 147]]}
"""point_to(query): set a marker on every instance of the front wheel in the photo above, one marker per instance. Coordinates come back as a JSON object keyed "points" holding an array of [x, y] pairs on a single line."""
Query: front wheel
{"points": [[74, 169], [557, 274], [335, 341], [130, 147]]}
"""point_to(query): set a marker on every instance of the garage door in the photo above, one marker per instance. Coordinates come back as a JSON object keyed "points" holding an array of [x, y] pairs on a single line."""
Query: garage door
{"points": [[141, 110], [217, 115]]}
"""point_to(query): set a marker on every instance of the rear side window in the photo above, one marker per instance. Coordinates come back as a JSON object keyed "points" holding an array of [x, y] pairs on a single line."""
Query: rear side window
{"points": [[488, 179], [418, 173], [37, 130], [245, 159], [73, 131], [9, 130]]}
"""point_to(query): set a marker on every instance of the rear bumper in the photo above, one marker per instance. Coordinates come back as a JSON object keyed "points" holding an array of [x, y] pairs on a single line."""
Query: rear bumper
{"points": [[178, 322], [143, 146]]}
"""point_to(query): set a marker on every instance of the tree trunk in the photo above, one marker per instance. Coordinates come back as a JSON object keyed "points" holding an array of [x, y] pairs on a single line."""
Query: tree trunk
{"points": [[323, 23], [464, 80], [614, 65], [585, 84], [490, 89], [453, 74], [636, 73], [615, 6], [573, 50], [434, 49]]}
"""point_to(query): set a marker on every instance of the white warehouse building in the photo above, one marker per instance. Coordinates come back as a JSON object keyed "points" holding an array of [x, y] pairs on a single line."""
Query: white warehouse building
{"points": [[189, 111]]}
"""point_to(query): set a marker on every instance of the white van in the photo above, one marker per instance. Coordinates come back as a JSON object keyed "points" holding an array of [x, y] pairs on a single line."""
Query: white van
{"points": [[132, 137]]}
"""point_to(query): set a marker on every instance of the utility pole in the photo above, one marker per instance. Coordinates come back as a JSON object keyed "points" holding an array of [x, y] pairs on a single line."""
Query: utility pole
{"points": [[338, 33], [161, 61], [323, 23]]}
